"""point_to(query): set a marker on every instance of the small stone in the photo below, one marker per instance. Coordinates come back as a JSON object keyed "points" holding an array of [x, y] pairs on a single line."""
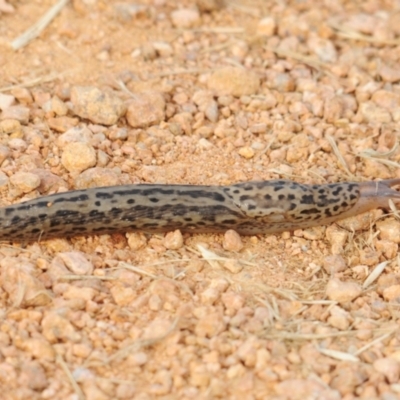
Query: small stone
{"points": [[209, 5], [337, 238], [389, 229], [210, 325], [6, 100], [360, 222], [323, 48], [97, 106], [334, 263], [232, 241], [34, 375], [234, 81], [388, 248], [136, 240], [75, 292], [25, 181], [342, 292], [389, 367], [62, 124], [76, 262], [145, 109], [233, 266], [38, 348], [370, 112], [56, 326], [266, 27], [11, 127], [185, 17], [392, 293], [122, 295], [389, 74], [173, 240], [97, 177], [20, 113], [74, 134], [209, 296], [246, 152], [77, 157]]}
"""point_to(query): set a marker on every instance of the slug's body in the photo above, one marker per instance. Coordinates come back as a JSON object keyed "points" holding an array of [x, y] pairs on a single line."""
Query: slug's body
{"points": [[249, 208]]}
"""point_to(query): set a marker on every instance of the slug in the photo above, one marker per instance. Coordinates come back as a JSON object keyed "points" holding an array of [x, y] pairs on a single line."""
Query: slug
{"points": [[248, 208]]}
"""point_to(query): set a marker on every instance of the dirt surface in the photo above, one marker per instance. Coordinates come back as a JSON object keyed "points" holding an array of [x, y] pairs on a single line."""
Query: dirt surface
{"points": [[201, 93]]}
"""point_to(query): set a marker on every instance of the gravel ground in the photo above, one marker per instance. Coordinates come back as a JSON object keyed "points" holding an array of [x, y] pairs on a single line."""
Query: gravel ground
{"points": [[205, 92]]}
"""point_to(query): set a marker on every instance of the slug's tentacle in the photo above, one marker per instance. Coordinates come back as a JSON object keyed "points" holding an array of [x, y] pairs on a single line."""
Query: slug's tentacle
{"points": [[249, 208]]}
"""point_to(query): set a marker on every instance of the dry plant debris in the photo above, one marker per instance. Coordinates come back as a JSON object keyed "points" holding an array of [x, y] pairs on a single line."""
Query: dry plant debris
{"points": [[201, 92]]}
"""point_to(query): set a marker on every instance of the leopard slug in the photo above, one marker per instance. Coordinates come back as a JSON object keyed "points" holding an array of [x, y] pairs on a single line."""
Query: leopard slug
{"points": [[249, 208]]}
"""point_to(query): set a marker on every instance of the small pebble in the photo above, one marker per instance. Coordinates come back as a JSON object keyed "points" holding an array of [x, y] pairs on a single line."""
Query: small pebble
{"points": [[76, 262], [97, 106], [342, 291], [389, 367], [136, 240], [173, 240], [232, 241], [185, 17], [266, 27], [389, 229], [234, 81], [25, 181], [145, 109], [78, 157]]}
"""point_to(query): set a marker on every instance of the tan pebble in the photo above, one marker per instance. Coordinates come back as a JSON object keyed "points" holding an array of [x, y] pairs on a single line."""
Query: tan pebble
{"points": [[125, 391], [77, 157], [333, 109], [232, 300], [360, 272], [388, 248], [389, 367], [76, 262], [199, 375], [295, 154], [4, 153], [389, 229], [323, 48], [346, 380], [234, 81], [339, 318], [235, 371], [81, 350], [6, 100], [209, 296], [370, 112], [56, 327], [157, 328], [232, 241], [11, 127], [392, 293], [164, 49], [62, 124], [389, 74], [386, 99], [96, 105], [386, 281], [75, 292], [334, 263], [23, 95], [18, 277], [155, 302], [185, 17], [122, 294], [17, 144], [97, 177], [184, 121], [25, 181], [337, 290], [314, 233], [246, 152], [38, 348], [210, 325], [147, 108], [20, 113], [369, 257], [266, 27], [74, 134], [377, 170], [137, 359], [173, 240], [136, 241], [337, 238], [92, 391], [34, 375], [233, 266], [211, 110], [209, 5], [57, 106], [280, 81]]}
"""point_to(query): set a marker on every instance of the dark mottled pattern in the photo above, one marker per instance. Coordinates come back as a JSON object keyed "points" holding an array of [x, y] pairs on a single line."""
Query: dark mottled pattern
{"points": [[249, 208]]}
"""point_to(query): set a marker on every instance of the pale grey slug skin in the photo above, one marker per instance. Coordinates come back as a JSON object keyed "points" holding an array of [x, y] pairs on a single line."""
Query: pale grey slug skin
{"points": [[249, 208]]}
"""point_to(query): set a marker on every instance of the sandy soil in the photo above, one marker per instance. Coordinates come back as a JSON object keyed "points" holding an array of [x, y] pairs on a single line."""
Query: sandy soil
{"points": [[227, 92]]}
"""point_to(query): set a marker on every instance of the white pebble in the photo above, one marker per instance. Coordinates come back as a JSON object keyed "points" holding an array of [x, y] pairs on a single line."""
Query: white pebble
{"points": [[76, 262], [337, 290]]}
